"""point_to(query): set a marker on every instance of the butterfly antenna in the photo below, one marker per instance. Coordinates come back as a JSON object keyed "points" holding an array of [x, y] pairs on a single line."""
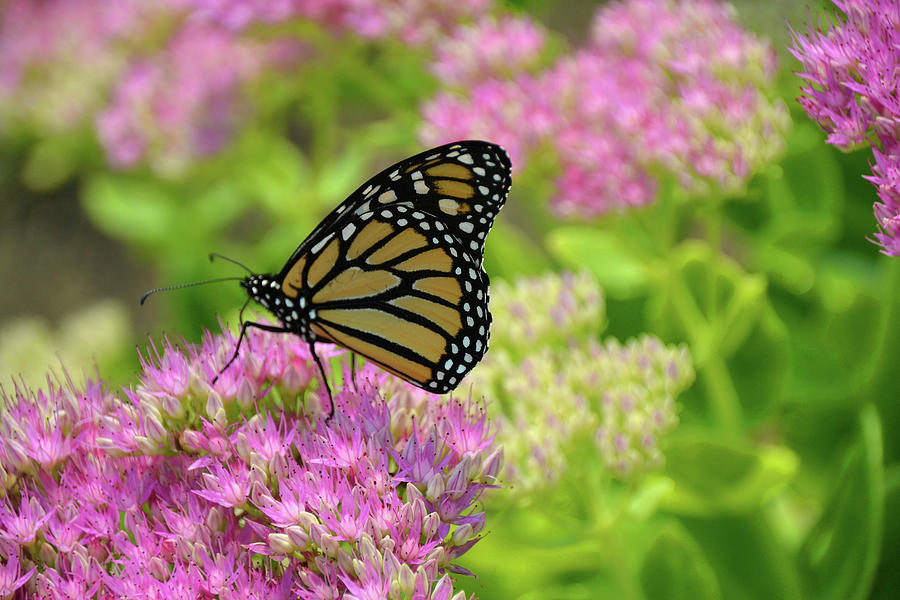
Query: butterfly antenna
{"points": [[215, 255], [184, 285]]}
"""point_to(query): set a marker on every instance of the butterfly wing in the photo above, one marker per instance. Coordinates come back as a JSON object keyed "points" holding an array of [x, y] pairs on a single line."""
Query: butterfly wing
{"points": [[395, 286], [465, 184]]}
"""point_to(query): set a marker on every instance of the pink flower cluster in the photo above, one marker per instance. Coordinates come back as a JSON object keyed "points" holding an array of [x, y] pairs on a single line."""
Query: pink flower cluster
{"points": [[562, 397], [178, 488], [165, 83], [853, 73], [413, 21], [57, 58], [666, 86], [487, 49], [181, 103]]}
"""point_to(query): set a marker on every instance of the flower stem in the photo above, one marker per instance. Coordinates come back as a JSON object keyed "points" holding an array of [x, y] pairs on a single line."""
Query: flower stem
{"points": [[722, 396], [711, 215], [698, 327]]}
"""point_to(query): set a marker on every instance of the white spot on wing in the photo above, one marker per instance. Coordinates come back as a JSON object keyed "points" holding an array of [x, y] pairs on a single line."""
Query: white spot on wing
{"points": [[315, 249]]}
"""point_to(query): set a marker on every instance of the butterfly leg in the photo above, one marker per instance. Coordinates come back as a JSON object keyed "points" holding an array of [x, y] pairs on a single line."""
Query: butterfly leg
{"points": [[353, 370], [244, 327], [312, 348]]}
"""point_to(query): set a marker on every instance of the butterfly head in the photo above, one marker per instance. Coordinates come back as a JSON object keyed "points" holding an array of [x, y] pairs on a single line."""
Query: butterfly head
{"points": [[265, 290]]}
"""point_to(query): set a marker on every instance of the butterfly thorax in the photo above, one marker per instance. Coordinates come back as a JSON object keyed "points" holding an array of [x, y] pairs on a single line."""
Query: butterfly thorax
{"points": [[292, 312]]}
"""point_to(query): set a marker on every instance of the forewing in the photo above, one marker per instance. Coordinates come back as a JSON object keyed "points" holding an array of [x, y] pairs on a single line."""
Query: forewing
{"points": [[463, 184]]}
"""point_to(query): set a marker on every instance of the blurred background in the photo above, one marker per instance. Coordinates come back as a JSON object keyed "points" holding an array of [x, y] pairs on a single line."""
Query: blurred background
{"points": [[659, 153]]}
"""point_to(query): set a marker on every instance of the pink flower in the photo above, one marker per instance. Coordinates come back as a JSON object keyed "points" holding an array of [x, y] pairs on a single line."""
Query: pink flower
{"points": [[10, 579], [413, 21], [57, 58], [182, 484], [487, 49], [515, 114], [852, 74], [147, 121], [666, 87]]}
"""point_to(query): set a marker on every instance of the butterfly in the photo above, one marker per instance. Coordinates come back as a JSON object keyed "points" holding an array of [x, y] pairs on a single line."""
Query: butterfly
{"points": [[394, 273]]}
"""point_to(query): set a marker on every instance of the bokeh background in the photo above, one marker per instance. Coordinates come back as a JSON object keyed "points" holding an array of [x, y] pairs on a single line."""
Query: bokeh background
{"points": [[668, 192]]}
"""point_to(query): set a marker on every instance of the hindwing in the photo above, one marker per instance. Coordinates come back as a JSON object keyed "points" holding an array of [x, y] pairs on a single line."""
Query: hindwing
{"points": [[396, 286]]}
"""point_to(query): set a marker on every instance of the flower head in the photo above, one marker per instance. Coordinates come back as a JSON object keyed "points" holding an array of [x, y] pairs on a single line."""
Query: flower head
{"points": [[852, 77], [663, 87], [146, 121], [188, 487], [57, 58], [11, 577], [487, 49], [571, 394]]}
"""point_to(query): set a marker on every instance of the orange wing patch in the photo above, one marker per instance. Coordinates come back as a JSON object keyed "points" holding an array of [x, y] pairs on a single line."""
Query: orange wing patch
{"points": [[370, 235], [293, 281], [430, 260], [442, 287], [454, 188], [454, 208], [455, 170], [400, 244], [445, 317], [355, 283], [419, 339], [400, 366], [323, 263]]}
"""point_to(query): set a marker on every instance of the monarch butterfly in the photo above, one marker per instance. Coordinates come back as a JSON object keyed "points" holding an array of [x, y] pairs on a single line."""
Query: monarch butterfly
{"points": [[394, 273]]}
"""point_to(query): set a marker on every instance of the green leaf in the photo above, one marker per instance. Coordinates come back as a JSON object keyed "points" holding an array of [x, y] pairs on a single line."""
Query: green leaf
{"points": [[538, 554], [620, 272], [717, 476], [841, 552], [509, 253], [341, 175], [676, 568], [742, 313], [750, 560], [48, 166], [887, 581], [273, 172], [132, 210], [825, 343]]}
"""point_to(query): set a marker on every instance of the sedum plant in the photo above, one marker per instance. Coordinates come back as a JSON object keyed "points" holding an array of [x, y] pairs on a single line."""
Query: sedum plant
{"points": [[176, 487]]}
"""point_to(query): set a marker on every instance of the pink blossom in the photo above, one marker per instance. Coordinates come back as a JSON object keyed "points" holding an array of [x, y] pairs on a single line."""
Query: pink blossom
{"points": [[10, 578], [852, 73], [58, 58], [664, 88], [413, 21], [487, 49], [183, 484], [516, 114], [147, 121]]}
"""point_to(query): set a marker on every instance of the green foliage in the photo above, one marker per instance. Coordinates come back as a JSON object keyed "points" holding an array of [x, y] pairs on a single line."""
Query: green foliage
{"points": [[675, 568]]}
